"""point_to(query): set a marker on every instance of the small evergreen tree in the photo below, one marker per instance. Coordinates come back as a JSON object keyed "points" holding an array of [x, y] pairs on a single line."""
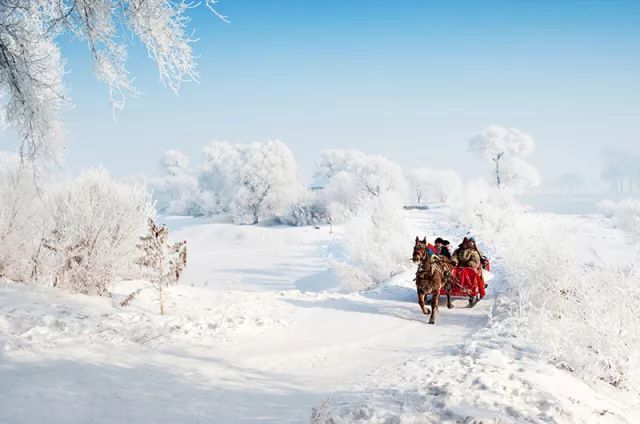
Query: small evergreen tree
{"points": [[163, 261]]}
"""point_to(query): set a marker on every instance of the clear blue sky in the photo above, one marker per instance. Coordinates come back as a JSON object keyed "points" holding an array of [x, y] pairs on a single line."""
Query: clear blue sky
{"points": [[412, 80]]}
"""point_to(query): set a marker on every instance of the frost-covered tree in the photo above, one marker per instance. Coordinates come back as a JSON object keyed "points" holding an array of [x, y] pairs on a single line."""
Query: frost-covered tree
{"points": [[254, 182], [435, 185], [93, 224], [162, 261], [177, 191], [32, 69], [622, 170], [570, 182], [365, 192], [352, 179], [506, 148]]}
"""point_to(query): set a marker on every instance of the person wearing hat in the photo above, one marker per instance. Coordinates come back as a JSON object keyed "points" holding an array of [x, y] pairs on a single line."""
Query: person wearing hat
{"points": [[442, 247], [483, 259], [467, 256]]}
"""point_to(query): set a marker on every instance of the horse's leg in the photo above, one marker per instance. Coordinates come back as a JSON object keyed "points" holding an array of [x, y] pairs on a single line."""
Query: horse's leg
{"points": [[435, 296], [447, 290], [421, 296]]}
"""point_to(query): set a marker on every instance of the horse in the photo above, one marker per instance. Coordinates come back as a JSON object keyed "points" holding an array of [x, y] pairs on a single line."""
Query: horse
{"points": [[419, 250], [434, 272]]}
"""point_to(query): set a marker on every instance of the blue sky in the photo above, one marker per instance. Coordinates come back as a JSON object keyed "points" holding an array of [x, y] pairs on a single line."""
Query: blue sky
{"points": [[412, 80]]}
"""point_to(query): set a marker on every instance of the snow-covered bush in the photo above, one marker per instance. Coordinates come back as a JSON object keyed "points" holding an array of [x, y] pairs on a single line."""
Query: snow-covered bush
{"points": [[624, 214], [310, 210], [20, 219], [578, 310], [91, 229], [253, 182], [435, 185], [78, 234], [374, 244], [507, 148], [176, 191], [162, 261]]}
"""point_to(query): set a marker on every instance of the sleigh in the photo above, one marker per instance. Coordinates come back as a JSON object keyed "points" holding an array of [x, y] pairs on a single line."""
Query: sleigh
{"points": [[465, 282]]}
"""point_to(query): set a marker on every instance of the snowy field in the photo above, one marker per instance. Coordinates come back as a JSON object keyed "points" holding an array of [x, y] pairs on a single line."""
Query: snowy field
{"points": [[259, 331]]}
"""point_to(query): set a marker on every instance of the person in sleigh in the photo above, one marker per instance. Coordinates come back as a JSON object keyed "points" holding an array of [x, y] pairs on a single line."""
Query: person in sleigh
{"points": [[468, 264], [442, 247]]}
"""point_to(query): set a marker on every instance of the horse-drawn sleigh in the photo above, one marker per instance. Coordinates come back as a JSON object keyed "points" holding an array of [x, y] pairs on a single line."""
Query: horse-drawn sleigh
{"points": [[439, 275]]}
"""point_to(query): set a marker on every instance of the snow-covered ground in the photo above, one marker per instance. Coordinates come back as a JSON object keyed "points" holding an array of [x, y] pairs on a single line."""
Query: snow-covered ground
{"points": [[258, 331]]}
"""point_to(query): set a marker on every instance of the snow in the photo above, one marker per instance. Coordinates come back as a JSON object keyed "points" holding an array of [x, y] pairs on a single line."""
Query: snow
{"points": [[259, 331]]}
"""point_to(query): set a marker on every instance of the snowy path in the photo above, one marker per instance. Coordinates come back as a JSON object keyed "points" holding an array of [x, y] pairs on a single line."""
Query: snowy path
{"points": [[256, 333]]}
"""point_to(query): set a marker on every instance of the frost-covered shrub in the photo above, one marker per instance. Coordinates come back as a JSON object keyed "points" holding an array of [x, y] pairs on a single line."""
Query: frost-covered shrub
{"points": [[624, 214], [310, 211], [78, 234], [20, 219], [580, 312], [91, 229], [253, 182], [176, 191]]}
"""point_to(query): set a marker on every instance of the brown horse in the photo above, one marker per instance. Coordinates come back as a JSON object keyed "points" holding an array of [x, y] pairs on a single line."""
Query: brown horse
{"points": [[434, 273], [419, 250]]}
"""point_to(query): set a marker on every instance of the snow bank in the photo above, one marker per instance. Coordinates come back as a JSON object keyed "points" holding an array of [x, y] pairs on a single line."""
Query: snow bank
{"points": [[624, 214], [488, 380], [39, 318]]}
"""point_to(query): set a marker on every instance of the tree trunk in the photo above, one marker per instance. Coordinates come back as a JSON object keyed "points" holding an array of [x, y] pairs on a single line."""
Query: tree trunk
{"points": [[161, 298], [497, 161]]}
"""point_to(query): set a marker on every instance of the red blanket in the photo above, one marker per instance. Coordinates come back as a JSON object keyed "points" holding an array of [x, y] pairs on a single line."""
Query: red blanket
{"points": [[470, 280]]}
